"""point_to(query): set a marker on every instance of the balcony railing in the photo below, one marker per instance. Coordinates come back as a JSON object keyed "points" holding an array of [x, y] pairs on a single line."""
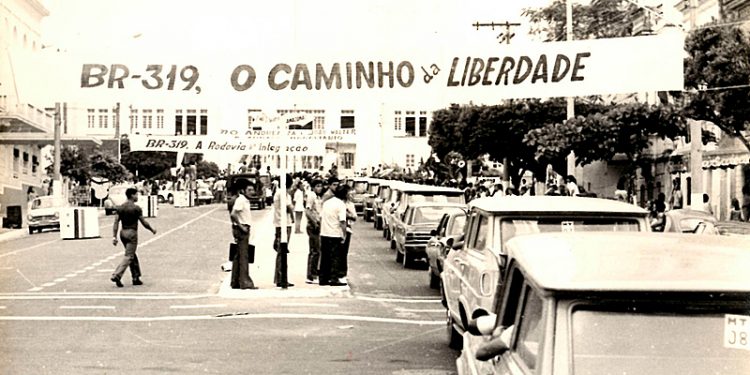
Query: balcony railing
{"points": [[27, 113]]}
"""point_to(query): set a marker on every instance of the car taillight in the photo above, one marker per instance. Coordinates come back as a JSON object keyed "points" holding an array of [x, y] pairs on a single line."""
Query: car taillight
{"points": [[57, 215]]}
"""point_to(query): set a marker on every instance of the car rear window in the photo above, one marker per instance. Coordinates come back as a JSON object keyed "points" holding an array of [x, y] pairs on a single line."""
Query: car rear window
{"points": [[510, 228], [459, 224], [656, 342], [429, 215]]}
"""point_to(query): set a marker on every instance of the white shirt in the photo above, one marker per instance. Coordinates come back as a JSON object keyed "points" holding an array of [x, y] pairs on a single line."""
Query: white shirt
{"points": [[277, 211], [299, 200], [242, 209], [334, 212]]}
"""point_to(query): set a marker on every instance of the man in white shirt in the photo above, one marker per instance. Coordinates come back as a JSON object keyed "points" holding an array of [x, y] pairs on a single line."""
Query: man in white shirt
{"points": [[280, 276], [312, 212], [332, 234], [241, 220]]}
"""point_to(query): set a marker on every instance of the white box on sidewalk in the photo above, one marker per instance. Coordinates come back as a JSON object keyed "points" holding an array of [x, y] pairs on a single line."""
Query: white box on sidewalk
{"points": [[149, 204], [79, 222], [184, 199]]}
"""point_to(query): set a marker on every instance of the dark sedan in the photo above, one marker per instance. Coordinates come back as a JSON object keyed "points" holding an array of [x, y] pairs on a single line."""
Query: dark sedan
{"points": [[448, 235]]}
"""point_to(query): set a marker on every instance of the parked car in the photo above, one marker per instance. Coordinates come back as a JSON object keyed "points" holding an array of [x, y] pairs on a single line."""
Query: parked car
{"points": [[381, 202], [413, 193], [471, 274], [413, 229], [616, 303], [44, 212], [372, 193], [448, 234], [204, 196], [685, 220], [360, 186], [115, 198]]}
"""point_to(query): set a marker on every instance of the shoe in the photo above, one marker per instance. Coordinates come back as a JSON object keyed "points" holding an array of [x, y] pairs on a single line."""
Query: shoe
{"points": [[117, 282], [288, 285], [343, 280], [323, 283], [312, 281], [226, 267], [336, 283], [137, 282]]}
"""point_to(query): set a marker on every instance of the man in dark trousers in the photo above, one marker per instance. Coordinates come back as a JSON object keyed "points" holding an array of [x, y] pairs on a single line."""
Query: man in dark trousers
{"points": [[129, 214], [241, 220], [280, 277]]}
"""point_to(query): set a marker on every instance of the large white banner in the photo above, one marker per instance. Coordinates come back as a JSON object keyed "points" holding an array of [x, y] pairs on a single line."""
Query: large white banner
{"points": [[449, 74], [239, 145]]}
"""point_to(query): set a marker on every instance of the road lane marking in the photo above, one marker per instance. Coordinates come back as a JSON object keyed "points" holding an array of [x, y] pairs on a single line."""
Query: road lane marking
{"points": [[27, 248], [80, 271], [59, 279], [183, 225], [99, 295], [87, 307], [399, 300], [35, 289], [2, 307], [26, 278], [355, 318], [300, 304], [419, 310], [221, 221], [48, 284], [197, 306], [71, 275], [103, 270]]}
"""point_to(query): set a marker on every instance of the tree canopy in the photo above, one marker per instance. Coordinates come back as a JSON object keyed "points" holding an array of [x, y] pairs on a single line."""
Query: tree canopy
{"points": [[599, 19], [80, 165]]}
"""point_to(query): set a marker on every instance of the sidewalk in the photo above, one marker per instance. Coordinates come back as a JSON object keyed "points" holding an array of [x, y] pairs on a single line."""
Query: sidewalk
{"points": [[265, 260]]}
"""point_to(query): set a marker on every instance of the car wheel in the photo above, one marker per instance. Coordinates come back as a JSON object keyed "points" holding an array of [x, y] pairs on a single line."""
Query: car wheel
{"points": [[170, 199], [31, 230], [455, 341], [434, 280], [399, 257], [393, 244], [160, 199], [378, 224]]}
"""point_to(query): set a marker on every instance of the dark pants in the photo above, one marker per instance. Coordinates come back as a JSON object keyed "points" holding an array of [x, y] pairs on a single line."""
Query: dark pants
{"points": [[340, 265], [313, 257], [328, 247], [280, 277], [129, 239], [240, 270]]}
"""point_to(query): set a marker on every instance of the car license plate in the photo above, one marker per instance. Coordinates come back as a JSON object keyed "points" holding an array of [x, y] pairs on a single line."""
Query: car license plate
{"points": [[737, 331]]}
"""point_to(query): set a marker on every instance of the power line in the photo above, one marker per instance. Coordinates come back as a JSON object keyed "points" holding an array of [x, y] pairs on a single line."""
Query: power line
{"points": [[724, 88]]}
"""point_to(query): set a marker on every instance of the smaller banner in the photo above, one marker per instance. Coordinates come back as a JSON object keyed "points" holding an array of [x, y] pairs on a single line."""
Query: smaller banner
{"points": [[226, 144], [79, 222]]}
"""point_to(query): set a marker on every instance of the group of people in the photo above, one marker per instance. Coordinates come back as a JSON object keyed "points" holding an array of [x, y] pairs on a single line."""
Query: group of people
{"points": [[329, 213]]}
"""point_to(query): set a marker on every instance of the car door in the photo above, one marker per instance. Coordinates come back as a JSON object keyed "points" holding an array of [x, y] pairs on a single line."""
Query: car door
{"points": [[399, 228], [455, 266], [433, 245], [481, 270], [528, 338]]}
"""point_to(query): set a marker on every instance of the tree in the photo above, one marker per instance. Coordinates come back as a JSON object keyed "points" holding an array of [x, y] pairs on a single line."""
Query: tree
{"points": [[78, 165], [147, 164], [599, 19], [622, 129], [207, 169], [719, 62]]}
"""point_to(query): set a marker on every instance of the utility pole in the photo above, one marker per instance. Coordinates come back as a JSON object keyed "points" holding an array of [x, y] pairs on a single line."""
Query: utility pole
{"points": [[56, 166], [117, 130], [696, 143], [502, 37], [571, 159]]}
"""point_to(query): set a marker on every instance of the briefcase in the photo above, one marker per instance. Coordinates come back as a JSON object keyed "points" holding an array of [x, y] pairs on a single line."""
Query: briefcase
{"points": [[250, 252]]}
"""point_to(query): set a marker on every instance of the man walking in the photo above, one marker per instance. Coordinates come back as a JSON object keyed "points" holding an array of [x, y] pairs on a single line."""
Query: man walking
{"points": [[129, 214], [313, 210]]}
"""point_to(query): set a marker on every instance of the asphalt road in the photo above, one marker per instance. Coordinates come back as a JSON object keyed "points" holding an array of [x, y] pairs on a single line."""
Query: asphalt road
{"points": [[60, 314]]}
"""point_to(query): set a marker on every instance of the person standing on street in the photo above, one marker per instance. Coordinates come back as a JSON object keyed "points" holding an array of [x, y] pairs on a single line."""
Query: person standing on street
{"points": [[341, 259], [280, 277], [332, 234], [333, 183], [129, 214], [299, 206], [241, 220], [312, 212]]}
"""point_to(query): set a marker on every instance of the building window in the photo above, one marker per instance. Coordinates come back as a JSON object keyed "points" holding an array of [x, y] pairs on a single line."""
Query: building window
{"points": [[134, 119], [25, 163], [16, 160], [410, 160], [191, 125], [147, 119], [397, 121], [92, 118], [34, 165], [178, 123], [103, 118], [347, 119], [204, 124], [422, 126], [160, 119], [347, 160], [253, 115], [410, 126]]}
